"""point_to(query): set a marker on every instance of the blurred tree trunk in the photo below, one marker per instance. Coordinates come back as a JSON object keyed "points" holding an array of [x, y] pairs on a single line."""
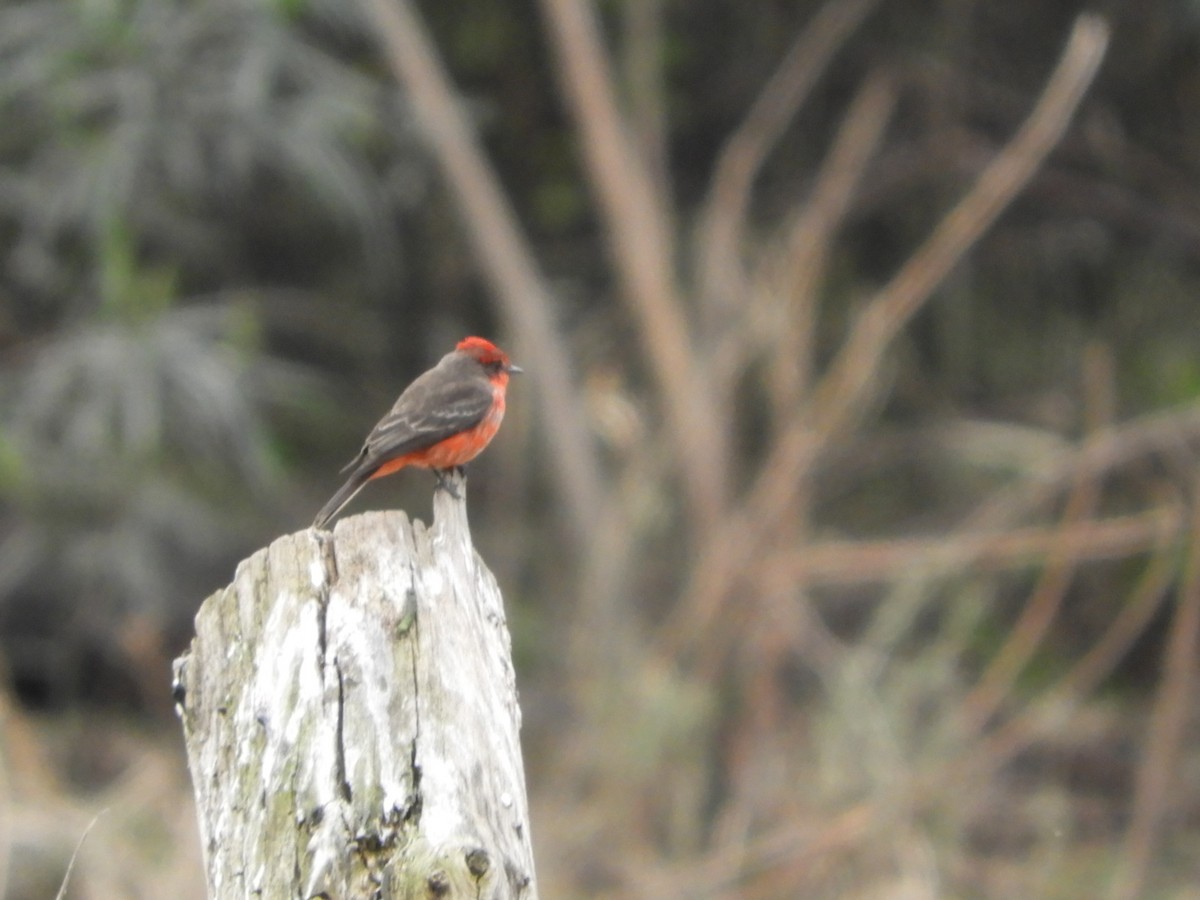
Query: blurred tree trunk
{"points": [[351, 719]]}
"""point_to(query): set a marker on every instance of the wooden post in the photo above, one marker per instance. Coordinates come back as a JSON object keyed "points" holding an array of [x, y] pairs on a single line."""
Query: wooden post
{"points": [[351, 719]]}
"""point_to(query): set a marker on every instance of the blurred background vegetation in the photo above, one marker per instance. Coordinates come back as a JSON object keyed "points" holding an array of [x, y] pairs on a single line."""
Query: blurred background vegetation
{"points": [[847, 516]]}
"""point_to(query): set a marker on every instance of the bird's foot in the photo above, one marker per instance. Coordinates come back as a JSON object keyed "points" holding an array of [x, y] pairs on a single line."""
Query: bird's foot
{"points": [[443, 477]]}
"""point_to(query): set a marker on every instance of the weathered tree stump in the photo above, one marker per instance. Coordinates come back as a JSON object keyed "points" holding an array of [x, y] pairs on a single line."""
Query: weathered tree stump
{"points": [[351, 719]]}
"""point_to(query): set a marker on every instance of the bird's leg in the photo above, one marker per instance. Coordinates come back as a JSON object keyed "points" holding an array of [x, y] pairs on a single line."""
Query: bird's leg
{"points": [[443, 481]]}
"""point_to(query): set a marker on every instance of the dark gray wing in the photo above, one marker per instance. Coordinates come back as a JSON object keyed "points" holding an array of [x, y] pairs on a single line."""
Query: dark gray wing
{"points": [[429, 411], [451, 397]]}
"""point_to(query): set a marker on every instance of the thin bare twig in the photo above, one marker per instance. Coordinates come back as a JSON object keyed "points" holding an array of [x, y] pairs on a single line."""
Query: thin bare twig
{"points": [[1130, 621], [66, 879], [806, 244], [503, 252], [1168, 720], [997, 748], [1038, 613], [986, 539], [642, 65], [841, 397], [1032, 625], [784, 302], [723, 220], [721, 874], [644, 254], [849, 562], [846, 389], [804, 844]]}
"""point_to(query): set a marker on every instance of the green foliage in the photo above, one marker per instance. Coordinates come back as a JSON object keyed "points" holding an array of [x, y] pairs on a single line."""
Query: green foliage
{"points": [[154, 152], [128, 293], [1154, 324], [176, 119]]}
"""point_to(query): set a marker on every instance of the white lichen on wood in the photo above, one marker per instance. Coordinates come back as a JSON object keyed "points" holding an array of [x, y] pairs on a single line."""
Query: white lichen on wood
{"points": [[351, 718]]}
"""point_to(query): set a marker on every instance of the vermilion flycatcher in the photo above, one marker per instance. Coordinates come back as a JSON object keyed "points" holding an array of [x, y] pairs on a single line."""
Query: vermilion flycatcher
{"points": [[443, 420]]}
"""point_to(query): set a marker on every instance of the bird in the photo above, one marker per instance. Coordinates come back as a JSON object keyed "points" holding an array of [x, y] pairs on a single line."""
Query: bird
{"points": [[441, 421]]}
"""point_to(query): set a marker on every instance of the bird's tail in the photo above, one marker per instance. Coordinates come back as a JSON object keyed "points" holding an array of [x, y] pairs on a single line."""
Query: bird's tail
{"points": [[344, 495]]}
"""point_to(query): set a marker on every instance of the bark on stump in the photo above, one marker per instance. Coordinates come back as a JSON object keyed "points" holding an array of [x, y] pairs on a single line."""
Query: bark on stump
{"points": [[351, 719]]}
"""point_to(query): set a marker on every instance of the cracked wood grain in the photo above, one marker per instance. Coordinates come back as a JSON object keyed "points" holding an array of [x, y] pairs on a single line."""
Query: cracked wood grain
{"points": [[350, 712]]}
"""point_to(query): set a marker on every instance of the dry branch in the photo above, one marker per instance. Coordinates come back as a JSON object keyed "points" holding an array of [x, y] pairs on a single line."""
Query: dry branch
{"points": [[723, 221], [997, 748], [850, 562], [351, 719], [839, 400], [798, 270], [1061, 560], [503, 252], [639, 232], [848, 385], [1173, 708], [642, 69]]}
